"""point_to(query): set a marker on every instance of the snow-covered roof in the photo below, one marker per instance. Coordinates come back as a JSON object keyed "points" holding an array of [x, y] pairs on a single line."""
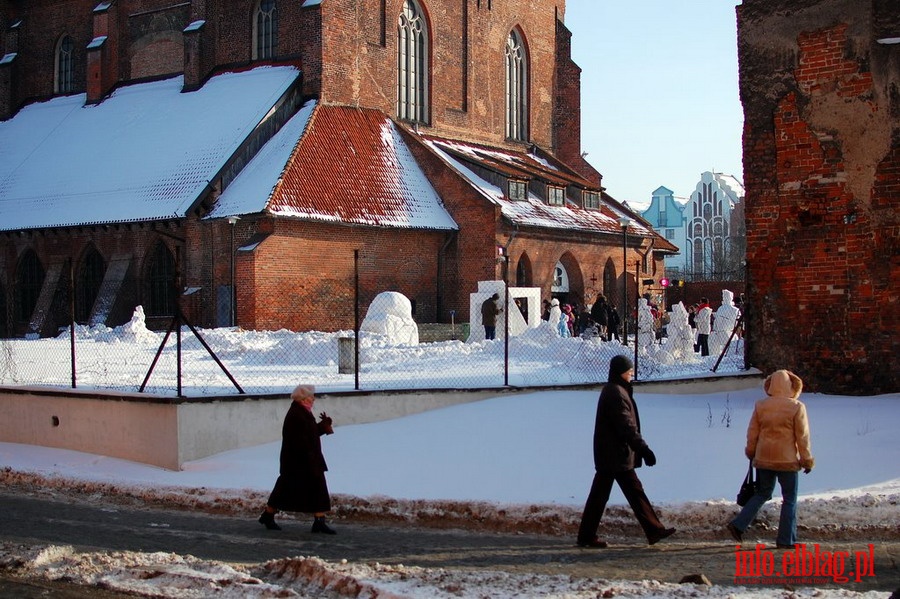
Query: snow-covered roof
{"points": [[337, 164], [145, 153], [534, 211]]}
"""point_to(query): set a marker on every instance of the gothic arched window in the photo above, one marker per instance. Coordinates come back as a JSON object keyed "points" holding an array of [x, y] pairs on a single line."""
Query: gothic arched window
{"points": [[64, 82], [516, 88], [265, 30], [87, 286], [29, 281], [412, 64], [161, 282]]}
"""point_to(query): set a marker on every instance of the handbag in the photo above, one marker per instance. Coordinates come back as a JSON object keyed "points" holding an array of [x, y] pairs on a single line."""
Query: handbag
{"points": [[748, 487]]}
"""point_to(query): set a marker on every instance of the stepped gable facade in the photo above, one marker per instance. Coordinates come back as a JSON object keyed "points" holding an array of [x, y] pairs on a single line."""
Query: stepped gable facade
{"points": [[256, 162], [820, 86]]}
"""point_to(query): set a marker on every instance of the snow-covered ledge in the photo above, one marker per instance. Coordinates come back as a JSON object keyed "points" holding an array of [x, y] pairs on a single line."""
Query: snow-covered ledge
{"points": [[167, 432]]}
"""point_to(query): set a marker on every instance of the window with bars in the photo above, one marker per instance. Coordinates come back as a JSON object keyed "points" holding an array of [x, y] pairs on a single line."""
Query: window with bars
{"points": [[591, 199], [412, 64], [265, 34], [516, 88]]}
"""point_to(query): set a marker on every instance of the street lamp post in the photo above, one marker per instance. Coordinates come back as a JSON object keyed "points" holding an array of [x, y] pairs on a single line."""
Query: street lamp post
{"points": [[232, 220], [624, 222]]}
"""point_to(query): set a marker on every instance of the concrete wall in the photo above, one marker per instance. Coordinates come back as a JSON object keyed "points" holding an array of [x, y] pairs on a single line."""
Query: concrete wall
{"points": [[168, 432]]}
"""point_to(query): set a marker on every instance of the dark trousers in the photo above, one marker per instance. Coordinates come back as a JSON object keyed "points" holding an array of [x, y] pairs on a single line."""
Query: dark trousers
{"points": [[703, 344], [490, 332], [599, 496]]}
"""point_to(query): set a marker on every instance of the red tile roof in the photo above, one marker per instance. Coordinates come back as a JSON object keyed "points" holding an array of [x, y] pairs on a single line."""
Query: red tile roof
{"points": [[351, 165]]}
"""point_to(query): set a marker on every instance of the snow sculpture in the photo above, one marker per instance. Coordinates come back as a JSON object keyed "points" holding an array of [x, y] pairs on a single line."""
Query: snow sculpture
{"points": [[680, 335], [390, 314], [646, 333], [723, 324]]}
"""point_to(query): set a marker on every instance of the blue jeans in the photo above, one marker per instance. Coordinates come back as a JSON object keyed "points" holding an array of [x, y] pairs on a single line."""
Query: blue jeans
{"points": [[765, 485]]}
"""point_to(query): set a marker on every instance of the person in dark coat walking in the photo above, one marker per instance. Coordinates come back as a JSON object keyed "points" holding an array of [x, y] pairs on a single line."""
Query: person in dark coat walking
{"points": [[618, 450], [301, 485]]}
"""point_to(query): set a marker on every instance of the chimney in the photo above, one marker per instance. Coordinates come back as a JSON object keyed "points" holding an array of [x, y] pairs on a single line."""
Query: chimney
{"points": [[9, 68], [102, 52], [198, 47]]}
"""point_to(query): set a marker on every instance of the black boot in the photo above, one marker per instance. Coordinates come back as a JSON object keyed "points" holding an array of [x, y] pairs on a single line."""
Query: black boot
{"points": [[268, 520], [319, 525]]}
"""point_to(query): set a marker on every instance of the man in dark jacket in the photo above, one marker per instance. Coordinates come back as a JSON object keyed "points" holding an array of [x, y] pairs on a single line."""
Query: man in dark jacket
{"points": [[618, 450], [489, 312], [301, 485]]}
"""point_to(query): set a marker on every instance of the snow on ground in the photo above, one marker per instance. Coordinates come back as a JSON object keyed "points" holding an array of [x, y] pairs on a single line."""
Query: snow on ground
{"points": [[520, 462]]}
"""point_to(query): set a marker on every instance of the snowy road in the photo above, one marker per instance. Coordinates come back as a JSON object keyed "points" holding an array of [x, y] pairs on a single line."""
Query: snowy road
{"points": [[96, 524]]}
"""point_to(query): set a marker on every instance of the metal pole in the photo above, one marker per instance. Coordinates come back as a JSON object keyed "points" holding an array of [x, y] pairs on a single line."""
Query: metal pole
{"points": [[624, 222], [232, 220], [506, 319], [356, 319], [72, 318]]}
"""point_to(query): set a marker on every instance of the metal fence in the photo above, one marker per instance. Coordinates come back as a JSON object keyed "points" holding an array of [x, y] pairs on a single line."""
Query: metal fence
{"points": [[186, 361]]}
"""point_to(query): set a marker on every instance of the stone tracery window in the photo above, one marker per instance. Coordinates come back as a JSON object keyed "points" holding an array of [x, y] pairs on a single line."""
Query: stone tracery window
{"points": [[64, 71], [412, 64], [265, 30], [516, 88]]}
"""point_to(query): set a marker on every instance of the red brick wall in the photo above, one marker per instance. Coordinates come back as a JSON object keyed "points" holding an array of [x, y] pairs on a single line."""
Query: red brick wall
{"points": [[821, 149], [302, 276], [467, 65]]}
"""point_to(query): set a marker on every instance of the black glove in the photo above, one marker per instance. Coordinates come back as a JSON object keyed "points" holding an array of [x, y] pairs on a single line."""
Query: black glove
{"points": [[807, 470], [325, 424], [649, 456]]}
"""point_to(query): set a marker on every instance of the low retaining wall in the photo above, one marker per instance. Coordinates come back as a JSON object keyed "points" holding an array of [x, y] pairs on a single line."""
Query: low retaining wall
{"points": [[168, 432]]}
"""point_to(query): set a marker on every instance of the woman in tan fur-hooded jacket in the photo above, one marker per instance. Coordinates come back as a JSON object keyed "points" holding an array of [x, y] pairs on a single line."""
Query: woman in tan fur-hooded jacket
{"points": [[778, 444]]}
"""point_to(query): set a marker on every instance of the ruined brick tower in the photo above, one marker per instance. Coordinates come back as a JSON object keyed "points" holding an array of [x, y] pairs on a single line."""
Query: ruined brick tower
{"points": [[820, 86]]}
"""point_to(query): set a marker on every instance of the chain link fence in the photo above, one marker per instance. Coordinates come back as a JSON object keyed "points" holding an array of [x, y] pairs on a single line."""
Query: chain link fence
{"points": [[186, 361]]}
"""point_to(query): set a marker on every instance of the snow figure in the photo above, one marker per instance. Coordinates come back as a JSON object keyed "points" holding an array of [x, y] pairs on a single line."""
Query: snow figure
{"points": [[680, 340], [390, 314], [558, 319], [723, 323], [646, 333], [134, 330]]}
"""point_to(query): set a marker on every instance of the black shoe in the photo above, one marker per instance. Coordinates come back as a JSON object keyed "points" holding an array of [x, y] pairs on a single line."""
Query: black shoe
{"points": [[780, 546], [734, 532], [268, 520], [660, 535], [319, 525], [594, 543]]}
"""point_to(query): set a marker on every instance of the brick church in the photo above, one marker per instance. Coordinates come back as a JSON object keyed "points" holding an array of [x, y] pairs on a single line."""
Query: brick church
{"points": [[258, 163], [820, 86]]}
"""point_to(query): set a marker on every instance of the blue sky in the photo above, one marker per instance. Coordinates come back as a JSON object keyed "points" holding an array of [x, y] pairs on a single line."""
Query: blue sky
{"points": [[659, 92]]}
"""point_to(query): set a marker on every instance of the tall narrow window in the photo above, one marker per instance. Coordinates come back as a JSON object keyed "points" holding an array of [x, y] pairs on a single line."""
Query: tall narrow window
{"points": [[29, 281], [265, 25], [65, 66], [412, 64], [161, 282], [87, 286], [516, 88]]}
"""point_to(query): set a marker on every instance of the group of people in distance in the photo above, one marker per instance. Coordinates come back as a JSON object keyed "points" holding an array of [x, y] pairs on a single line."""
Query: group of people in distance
{"points": [[778, 444]]}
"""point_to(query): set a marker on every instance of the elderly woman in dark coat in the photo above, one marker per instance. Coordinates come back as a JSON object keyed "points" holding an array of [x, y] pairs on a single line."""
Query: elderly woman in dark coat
{"points": [[618, 450], [301, 485]]}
